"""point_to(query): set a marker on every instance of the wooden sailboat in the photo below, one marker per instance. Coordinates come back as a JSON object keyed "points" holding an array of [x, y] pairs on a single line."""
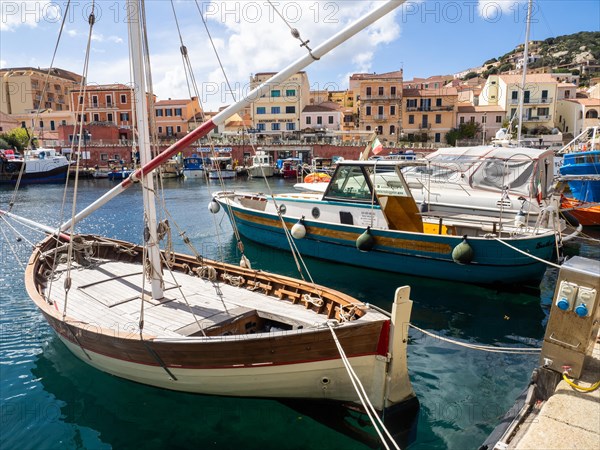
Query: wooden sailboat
{"points": [[190, 324]]}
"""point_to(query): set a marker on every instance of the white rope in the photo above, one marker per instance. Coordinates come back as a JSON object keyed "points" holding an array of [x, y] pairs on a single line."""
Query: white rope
{"points": [[362, 395], [12, 249], [551, 264], [485, 348]]}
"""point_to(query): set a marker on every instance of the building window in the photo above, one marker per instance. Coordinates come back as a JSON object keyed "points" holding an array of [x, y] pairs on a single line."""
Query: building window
{"points": [[368, 111], [178, 112], [472, 120], [169, 112], [411, 118], [261, 110], [438, 137], [425, 104], [369, 91], [424, 121], [392, 129], [380, 90], [319, 120], [380, 110], [368, 128], [96, 118], [103, 156], [276, 93], [123, 98], [52, 125], [411, 103], [543, 111], [462, 119], [109, 117], [567, 94], [330, 120], [41, 124], [498, 119], [392, 110], [178, 129], [484, 119], [275, 110], [81, 99], [438, 118], [438, 102], [160, 130], [290, 110], [308, 120], [275, 126], [169, 131], [290, 126], [290, 92], [544, 96], [514, 95], [108, 100], [380, 129], [393, 90], [95, 101], [260, 127], [124, 117], [159, 113]]}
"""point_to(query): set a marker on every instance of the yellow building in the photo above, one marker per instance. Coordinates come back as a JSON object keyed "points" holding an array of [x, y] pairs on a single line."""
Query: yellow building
{"points": [[379, 105], [278, 111], [428, 113], [27, 89]]}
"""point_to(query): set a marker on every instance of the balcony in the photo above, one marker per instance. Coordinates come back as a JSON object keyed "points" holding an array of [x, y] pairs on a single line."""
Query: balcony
{"points": [[380, 97], [532, 101], [424, 126], [379, 117], [537, 118]]}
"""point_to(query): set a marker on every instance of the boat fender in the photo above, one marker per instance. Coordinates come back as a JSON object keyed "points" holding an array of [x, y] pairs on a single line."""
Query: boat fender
{"points": [[214, 207], [245, 262], [463, 252], [520, 219], [299, 230], [424, 207], [365, 241]]}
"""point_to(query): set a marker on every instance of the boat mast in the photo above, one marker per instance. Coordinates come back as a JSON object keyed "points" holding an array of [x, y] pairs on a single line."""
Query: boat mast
{"points": [[523, 80], [134, 28], [301, 63]]}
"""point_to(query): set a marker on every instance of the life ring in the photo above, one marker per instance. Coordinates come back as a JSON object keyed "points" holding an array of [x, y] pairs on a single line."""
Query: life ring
{"points": [[317, 177]]}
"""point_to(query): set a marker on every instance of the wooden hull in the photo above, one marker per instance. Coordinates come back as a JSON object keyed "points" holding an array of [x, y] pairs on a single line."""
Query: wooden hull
{"points": [[294, 363], [586, 215]]}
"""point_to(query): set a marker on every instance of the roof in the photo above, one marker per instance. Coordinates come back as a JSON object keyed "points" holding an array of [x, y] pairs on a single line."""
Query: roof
{"points": [[376, 76], [318, 108], [55, 71], [532, 78], [585, 101], [108, 87]]}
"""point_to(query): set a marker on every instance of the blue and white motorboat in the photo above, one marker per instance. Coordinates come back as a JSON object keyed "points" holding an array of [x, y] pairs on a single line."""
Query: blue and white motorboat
{"points": [[367, 217], [193, 167], [580, 166], [42, 165]]}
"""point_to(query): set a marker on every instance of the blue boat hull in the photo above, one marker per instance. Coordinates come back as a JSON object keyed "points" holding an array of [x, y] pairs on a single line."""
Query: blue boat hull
{"points": [[583, 163], [406, 253], [58, 175]]}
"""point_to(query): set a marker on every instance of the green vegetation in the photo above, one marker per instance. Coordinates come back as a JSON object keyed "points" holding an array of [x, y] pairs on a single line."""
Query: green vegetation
{"points": [[466, 130], [16, 138]]}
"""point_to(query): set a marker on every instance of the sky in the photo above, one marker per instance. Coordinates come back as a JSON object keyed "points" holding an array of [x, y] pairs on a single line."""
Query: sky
{"points": [[423, 38]]}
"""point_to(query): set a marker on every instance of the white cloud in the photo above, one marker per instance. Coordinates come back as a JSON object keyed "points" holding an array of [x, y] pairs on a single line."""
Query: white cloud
{"points": [[3, 64], [30, 13], [493, 10]]}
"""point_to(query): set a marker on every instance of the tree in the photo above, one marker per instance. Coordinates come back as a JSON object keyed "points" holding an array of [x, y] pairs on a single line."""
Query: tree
{"points": [[470, 75], [4, 145], [467, 130], [17, 138]]}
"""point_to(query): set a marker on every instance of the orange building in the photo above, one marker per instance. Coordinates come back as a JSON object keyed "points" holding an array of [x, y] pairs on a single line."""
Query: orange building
{"points": [[379, 103], [172, 116]]}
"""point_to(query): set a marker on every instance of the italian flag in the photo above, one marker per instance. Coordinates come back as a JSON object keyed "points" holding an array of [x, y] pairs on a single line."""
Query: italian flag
{"points": [[377, 146]]}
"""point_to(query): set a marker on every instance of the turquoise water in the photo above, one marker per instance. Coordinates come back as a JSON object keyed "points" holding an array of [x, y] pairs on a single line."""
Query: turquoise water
{"points": [[50, 399]]}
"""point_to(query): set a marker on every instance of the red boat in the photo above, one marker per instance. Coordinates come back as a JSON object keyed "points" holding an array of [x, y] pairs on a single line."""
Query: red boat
{"points": [[588, 214]]}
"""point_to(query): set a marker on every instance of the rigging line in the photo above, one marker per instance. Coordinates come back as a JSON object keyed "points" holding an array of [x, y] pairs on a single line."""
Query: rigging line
{"points": [[17, 232], [295, 32], [12, 249], [91, 21], [46, 82], [551, 264], [362, 395]]}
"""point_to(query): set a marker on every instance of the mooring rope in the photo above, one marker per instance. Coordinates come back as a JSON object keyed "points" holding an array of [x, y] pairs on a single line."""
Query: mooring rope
{"points": [[362, 395], [551, 264]]}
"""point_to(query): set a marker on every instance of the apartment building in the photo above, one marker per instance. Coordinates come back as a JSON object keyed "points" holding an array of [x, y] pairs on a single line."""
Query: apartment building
{"points": [[539, 97], [172, 116], [428, 113], [324, 117], [379, 103], [26, 89], [575, 114], [489, 118], [278, 112]]}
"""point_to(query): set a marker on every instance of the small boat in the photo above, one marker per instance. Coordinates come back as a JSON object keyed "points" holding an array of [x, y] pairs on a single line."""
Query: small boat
{"points": [[190, 324], [119, 174], [317, 177], [587, 214], [193, 167], [221, 167], [580, 166], [101, 172], [42, 165], [262, 165], [290, 167], [367, 217], [173, 168]]}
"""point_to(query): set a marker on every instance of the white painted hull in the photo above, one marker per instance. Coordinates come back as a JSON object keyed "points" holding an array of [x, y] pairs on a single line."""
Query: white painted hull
{"points": [[314, 380], [225, 174], [193, 173], [258, 171]]}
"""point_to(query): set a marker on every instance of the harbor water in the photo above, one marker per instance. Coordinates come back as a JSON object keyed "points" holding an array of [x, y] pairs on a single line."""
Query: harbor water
{"points": [[51, 400]]}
